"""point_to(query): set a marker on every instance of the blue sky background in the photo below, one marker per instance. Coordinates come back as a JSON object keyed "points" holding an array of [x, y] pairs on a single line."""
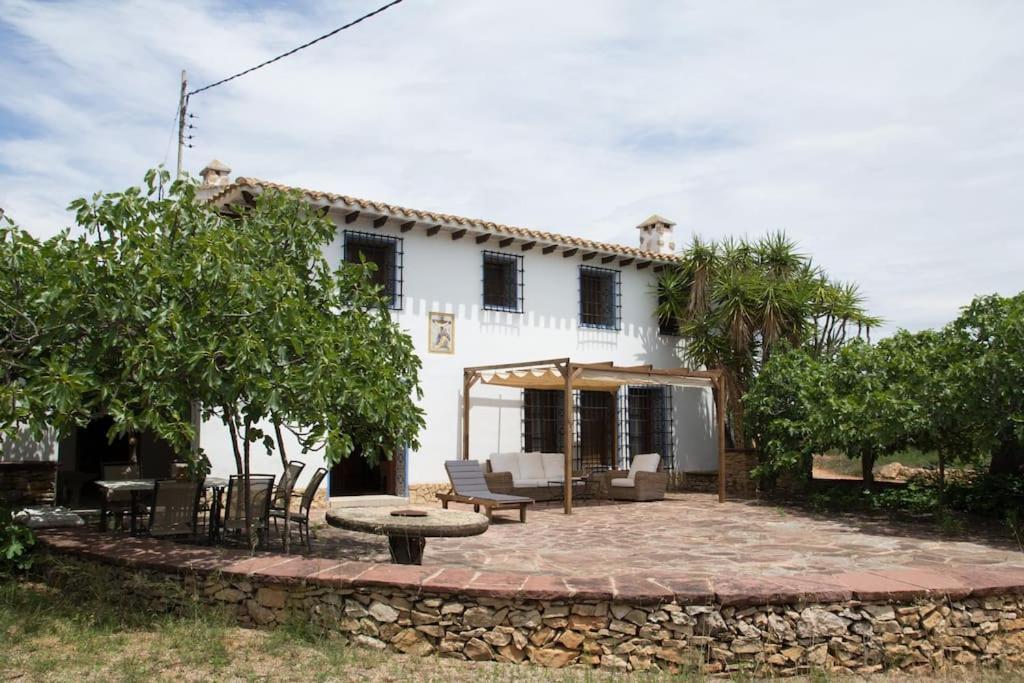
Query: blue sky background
{"points": [[886, 138]]}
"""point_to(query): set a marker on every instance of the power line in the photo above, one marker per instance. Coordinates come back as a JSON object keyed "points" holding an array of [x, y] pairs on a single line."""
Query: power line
{"points": [[293, 51]]}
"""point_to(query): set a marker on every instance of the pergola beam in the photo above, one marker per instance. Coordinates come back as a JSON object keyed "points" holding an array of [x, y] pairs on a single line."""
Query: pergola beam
{"points": [[530, 364]]}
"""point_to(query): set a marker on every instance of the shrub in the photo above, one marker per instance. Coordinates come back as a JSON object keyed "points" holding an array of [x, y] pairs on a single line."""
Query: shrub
{"points": [[16, 542], [987, 495], [920, 495]]}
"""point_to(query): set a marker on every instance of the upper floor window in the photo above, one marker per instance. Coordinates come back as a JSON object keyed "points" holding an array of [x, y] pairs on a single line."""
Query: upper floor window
{"points": [[600, 298], [503, 282], [384, 252]]}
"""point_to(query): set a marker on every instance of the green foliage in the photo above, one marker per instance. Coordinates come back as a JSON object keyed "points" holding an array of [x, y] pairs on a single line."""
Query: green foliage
{"points": [[16, 543], [738, 301], [957, 392], [779, 411], [986, 494], [919, 495], [984, 405], [167, 302]]}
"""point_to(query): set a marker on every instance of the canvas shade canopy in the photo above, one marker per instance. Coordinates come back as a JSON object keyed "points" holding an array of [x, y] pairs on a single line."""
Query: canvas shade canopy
{"points": [[563, 374]]}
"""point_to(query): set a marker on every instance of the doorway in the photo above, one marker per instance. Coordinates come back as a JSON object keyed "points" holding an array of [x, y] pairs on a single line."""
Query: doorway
{"points": [[82, 456], [355, 476], [595, 425]]}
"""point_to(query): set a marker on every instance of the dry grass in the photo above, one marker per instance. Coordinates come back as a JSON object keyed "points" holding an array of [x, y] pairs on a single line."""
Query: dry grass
{"points": [[837, 464], [97, 636]]}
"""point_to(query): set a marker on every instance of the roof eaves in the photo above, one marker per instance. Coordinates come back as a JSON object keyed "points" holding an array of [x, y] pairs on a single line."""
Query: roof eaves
{"points": [[451, 221]]}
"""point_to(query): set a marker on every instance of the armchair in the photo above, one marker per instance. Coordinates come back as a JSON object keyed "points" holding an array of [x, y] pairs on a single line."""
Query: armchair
{"points": [[641, 482]]}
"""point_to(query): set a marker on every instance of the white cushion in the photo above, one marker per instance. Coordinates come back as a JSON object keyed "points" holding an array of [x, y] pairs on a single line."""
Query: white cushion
{"points": [[523, 483], [44, 516], [624, 482], [644, 462], [554, 466], [531, 466], [506, 462]]}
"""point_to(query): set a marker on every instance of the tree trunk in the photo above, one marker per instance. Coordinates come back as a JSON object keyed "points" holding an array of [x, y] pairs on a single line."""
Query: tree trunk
{"points": [[229, 418], [246, 486], [1008, 458], [867, 469], [288, 490]]}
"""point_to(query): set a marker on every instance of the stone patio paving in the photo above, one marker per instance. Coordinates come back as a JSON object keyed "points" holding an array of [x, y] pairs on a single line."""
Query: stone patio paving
{"points": [[694, 535]]}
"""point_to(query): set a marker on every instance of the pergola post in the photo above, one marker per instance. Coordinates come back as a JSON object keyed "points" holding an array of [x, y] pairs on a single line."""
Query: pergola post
{"points": [[469, 378], [719, 392], [567, 432]]}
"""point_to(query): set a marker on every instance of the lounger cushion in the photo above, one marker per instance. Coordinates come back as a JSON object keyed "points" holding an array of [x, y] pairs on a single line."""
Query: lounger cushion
{"points": [[554, 466], [624, 482], [506, 462], [531, 466]]}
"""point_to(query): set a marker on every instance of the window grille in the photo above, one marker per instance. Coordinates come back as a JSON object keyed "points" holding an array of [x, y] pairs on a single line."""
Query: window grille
{"points": [[649, 424], [383, 251], [543, 420], [503, 282], [600, 298]]}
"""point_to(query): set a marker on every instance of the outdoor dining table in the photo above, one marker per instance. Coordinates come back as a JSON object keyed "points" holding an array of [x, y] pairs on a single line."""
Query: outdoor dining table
{"points": [[135, 486]]}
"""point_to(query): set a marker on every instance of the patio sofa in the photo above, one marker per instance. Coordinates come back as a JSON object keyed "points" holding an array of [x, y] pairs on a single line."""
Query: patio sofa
{"points": [[526, 474], [642, 481]]}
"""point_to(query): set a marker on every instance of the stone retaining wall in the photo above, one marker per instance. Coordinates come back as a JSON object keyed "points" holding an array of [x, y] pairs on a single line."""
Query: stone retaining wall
{"points": [[693, 482], [426, 494], [861, 623], [738, 481]]}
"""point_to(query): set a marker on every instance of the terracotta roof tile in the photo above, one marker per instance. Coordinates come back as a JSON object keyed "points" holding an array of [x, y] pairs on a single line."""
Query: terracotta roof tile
{"points": [[444, 219]]}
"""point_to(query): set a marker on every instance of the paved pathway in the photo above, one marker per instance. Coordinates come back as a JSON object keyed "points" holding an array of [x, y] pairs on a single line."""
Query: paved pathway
{"points": [[694, 535]]}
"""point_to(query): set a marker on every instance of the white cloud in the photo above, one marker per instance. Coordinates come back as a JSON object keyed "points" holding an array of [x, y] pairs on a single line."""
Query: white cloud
{"points": [[884, 137]]}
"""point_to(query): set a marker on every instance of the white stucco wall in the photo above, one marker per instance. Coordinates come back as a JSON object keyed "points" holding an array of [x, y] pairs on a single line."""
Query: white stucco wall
{"points": [[442, 275], [23, 448]]}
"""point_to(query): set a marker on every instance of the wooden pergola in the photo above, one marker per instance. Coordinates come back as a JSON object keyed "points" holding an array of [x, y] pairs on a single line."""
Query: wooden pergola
{"points": [[564, 374]]}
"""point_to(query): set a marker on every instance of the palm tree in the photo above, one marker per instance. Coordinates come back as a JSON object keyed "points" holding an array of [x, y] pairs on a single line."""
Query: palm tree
{"points": [[736, 301]]}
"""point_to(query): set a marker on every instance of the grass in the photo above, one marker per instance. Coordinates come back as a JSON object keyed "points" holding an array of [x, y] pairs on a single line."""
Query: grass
{"points": [[840, 464], [98, 635]]}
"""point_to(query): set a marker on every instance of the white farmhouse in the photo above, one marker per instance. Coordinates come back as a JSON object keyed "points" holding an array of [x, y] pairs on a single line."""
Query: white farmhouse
{"points": [[471, 292], [499, 294]]}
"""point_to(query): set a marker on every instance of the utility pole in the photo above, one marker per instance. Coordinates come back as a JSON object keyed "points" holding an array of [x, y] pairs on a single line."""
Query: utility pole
{"points": [[182, 106]]}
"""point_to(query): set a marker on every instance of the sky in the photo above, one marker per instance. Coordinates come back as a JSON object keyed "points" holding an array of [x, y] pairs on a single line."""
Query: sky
{"points": [[886, 138]]}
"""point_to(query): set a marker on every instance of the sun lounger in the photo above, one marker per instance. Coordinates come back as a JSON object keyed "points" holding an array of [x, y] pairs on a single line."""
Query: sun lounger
{"points": [[470, 487]]}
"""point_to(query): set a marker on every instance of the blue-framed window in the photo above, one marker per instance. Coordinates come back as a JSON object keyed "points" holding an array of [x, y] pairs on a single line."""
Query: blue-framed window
{"points": [[502, 282], [383, 251], [600, 298]]}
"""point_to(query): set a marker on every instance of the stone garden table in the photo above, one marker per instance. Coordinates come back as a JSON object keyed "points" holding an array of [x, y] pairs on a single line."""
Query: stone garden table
{"points": [[407, 534]]}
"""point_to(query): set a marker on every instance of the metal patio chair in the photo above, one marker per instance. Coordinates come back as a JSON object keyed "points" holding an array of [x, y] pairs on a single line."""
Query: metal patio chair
{"points": [[301, 518], [287, 483], [175, 508], [261, 489], [119, 502]]}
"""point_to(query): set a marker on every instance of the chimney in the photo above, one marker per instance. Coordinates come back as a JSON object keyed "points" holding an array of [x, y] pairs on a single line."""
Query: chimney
{"points": [[215, 174], [656, 235]]}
